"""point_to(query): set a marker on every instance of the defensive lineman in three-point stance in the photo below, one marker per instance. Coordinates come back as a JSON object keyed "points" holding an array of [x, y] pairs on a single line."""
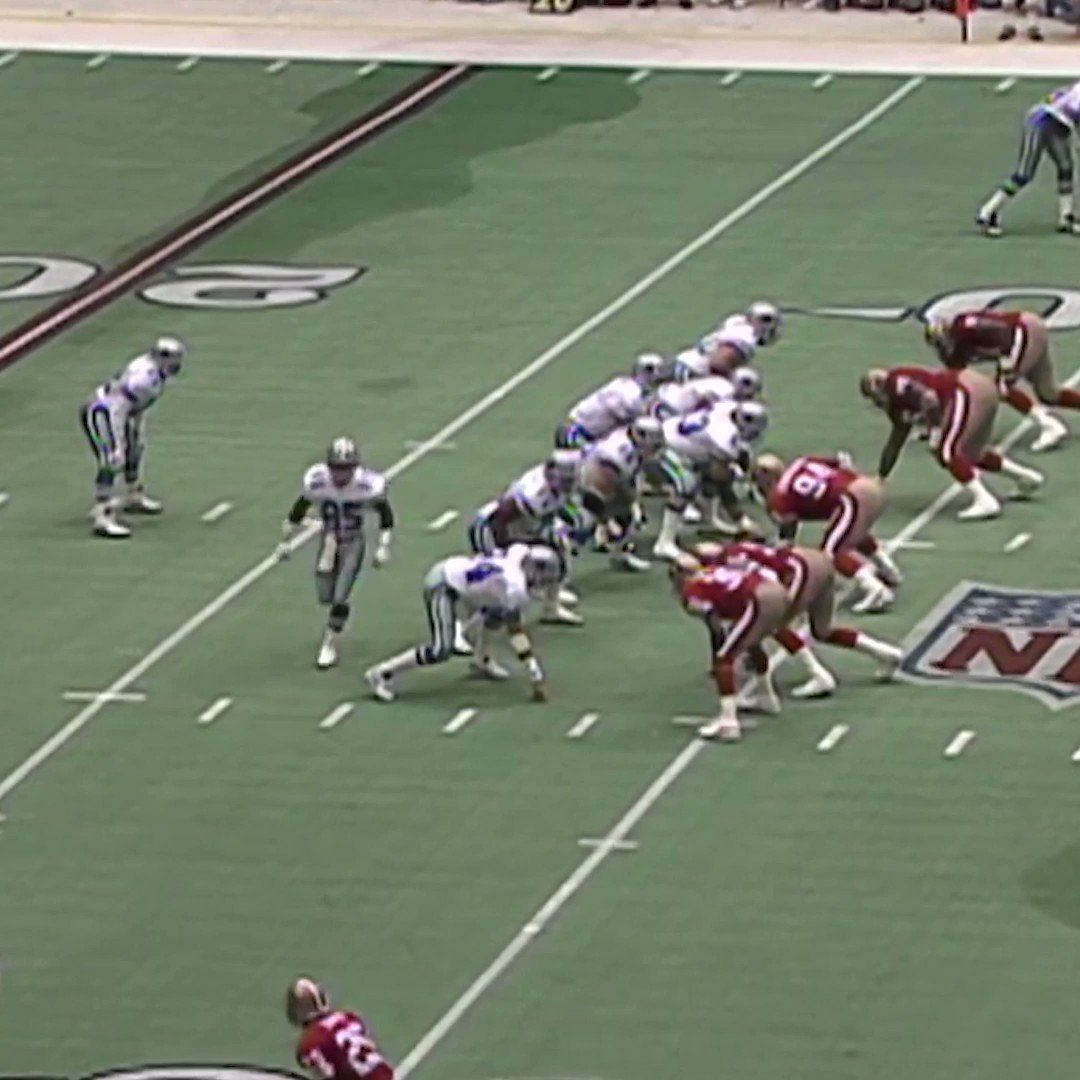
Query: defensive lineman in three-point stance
{"points": [[343, 492], [113, 420]]}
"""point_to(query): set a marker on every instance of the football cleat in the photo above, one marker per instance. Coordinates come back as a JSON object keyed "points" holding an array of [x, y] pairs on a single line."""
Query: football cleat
{"points": [[557, 615], [138, 502], [819, 686], [627, 560], [380, 683], [487, 667], [877, 597], [328, 656], [1052, 432], [111, 528], [1028, 482], [889, 662], [722, 729], [568, 597], [984, 504], [691, 515], [989, 225]]}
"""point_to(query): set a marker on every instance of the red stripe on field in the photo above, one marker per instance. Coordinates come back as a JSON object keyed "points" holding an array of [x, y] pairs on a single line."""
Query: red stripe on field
{"points": [[147, 261]]}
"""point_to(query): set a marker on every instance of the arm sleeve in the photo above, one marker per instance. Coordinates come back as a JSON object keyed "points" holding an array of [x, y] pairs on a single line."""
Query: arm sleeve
{"points": [[891, 450], [299, 509], [385, 512]]}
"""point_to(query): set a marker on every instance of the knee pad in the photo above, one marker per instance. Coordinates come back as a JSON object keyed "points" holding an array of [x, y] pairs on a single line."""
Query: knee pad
{"points": [[339, 615]]}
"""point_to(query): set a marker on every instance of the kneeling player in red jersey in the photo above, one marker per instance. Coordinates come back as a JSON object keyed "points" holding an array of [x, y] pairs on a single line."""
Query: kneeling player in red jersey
{"points": [[830, 490], [741, 606], [334, 1044], [962, 405], [810, 581], [1018, 342]]}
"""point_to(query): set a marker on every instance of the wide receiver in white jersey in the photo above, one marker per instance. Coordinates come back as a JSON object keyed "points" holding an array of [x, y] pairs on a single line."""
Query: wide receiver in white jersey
{"points": [[704, 451], [114, 422], [528, 512], [486, 593], [733, 343], [343, 494], [613, 405]]}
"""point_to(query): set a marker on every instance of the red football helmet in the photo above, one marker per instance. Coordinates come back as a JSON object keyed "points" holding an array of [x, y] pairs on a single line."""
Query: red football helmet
{"points": [[306, 1000]]}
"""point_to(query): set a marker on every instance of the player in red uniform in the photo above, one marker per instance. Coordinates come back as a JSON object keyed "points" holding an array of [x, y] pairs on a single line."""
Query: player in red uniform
{"points": [[334, 1044], [741, 606], [1019, 344], [960, 404], [830, 490], [810, 581]]}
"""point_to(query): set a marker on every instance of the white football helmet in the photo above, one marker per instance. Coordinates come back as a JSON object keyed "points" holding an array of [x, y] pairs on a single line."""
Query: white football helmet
{"points": [[647, 434], [561, 468], [766, 320], [651, 369], [746, 382], [168, 353], [542, 567], [305, 1000], [750, 419]]}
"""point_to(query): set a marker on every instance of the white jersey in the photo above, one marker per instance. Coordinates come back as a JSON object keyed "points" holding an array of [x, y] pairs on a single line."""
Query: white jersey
{"points": [[736, 332], [489, 581], [134, 390], [342, 509], [704, 436], [1064, 106], [619, 453], [534, 496], [678, 399], [614, 405]]}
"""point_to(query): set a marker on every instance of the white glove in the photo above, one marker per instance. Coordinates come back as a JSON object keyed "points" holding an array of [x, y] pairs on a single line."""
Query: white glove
{"points": [[288, 530], [382, 552]]}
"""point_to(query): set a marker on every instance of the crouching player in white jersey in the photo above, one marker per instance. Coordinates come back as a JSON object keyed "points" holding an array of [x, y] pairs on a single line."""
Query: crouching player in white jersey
{"points": [[528, 512], [342, 492], [487, 593], [613, 405], [608, 481], [114, 420], [733, 343], [705, 452]]}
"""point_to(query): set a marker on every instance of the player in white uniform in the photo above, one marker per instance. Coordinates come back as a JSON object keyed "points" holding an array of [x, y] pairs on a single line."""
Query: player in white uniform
{"points": [[733, 343], [343, 493], [529, 512], [709, 447], [487, 593], [114, 421], [680, 398], [614, 404]]}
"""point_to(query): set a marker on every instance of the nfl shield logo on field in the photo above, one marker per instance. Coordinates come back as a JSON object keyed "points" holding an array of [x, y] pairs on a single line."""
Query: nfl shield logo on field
{"points": [[1000, 639]]}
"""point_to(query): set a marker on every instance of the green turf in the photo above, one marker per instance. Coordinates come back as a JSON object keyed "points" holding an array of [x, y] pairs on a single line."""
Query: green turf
{"points": [[789, 914]]}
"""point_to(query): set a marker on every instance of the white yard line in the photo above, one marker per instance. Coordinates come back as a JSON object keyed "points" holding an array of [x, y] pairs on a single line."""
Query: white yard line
{"points": [[731, 78], [187, 63], [547, 74], [168, 644], [216, 512], [458, 721], [638, 76], [439, 523], [1017, 542], [4, 496], [443, 448], [367, 69], [613, 845], [822, 81], [1004, 86], [8, 58], [94, 695], [832, 737], [97, 61], [1076, 754], [917, 545], [211, 713], [583, 726], [276, 67], [336, 715], [959, 741], [551, 907]]}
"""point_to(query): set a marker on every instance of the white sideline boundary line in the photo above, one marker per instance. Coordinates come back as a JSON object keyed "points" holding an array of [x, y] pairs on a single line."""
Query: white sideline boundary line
{"points": [[167, 644]]}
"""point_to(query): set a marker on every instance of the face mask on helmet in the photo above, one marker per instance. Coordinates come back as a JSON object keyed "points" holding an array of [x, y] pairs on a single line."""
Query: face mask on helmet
{"points": [[342, 459], [647, 433], [746, 383], [751, 420], [766, 320], [542, 567], [168, 354], [651, 369]]}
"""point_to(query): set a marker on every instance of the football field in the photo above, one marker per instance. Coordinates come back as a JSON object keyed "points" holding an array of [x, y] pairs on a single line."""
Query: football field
{"points": [[438, 262]]}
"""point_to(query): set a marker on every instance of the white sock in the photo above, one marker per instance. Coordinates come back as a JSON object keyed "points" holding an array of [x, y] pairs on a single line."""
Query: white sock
{"points": [[330, 636], [814, 667], [669, 527], [402, 662], [884, 561], [866, 577], [1014, 468], [1065, 206], [979, 491], [994, 203], [879, 650]]}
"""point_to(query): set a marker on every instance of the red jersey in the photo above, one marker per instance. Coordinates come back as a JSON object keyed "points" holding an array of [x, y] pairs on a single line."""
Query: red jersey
{"points": [[982, 335], [781, 562], [338, 1046], [809, 489], [914, 393], [722, 591]]}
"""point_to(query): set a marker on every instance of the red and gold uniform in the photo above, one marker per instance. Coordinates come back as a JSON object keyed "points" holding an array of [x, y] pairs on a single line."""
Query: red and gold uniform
{"points": [[339, 1046]]}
